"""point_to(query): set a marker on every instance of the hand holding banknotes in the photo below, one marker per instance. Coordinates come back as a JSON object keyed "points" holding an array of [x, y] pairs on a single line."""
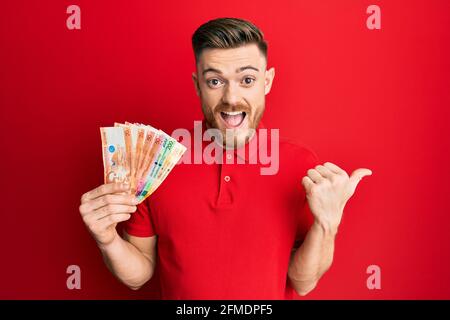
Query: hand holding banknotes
{"points": [[136, 158], [105, 206]]}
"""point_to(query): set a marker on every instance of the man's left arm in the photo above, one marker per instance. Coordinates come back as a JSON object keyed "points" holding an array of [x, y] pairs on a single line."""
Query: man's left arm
{"points": [[328, 188]]}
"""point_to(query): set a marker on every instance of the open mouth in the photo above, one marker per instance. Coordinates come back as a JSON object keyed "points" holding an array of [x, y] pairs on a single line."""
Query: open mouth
{"points": [[233, 119]]}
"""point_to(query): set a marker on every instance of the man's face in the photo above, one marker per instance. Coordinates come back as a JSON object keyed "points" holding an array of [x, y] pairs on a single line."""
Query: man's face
{"points": [[232, 84]]}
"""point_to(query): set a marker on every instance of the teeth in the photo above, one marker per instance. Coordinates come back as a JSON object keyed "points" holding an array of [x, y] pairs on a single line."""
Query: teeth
{"points": [[234, 113]]}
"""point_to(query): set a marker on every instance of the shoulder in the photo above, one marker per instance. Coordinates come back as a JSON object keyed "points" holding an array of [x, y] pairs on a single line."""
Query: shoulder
{"points": [[298, 152]]}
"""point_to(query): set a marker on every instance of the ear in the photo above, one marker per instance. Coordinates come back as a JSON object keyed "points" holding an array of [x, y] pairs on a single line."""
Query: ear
{"points": [[268, 80], [195, 79]]}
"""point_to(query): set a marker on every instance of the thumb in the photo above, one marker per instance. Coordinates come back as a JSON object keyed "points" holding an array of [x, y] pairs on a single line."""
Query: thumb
{"points": [[358, 174]]}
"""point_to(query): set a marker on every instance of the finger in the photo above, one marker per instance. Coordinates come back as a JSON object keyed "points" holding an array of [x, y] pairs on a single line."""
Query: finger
{"points": [[107, 188], [107, 199], [113, 209], [307, 183], [324, 171], [113, 219], [358, 174], [334, 168], [314, 175]]}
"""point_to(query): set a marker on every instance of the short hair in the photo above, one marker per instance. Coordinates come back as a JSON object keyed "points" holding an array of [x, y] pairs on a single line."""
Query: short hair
{"points": [[225, 33]]}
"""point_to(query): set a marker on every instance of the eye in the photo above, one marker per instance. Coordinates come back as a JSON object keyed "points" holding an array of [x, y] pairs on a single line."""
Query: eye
{"points": [[214, 83], [248, 81]]}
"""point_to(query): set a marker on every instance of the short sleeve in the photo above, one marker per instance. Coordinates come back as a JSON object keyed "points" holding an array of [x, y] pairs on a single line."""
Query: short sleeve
{"points": [[141, 223], [305, 218]]}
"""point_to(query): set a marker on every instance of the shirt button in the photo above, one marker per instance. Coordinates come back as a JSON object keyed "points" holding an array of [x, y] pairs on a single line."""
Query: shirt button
{"points": [[226, 178], [229, 156]]}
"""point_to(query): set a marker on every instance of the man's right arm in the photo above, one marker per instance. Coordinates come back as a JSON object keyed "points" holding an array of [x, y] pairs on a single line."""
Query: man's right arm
{"points": [[131, 259]]}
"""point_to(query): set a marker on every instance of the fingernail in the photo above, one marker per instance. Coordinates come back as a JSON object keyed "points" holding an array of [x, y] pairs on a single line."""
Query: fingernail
{"points": [[135, 201]]}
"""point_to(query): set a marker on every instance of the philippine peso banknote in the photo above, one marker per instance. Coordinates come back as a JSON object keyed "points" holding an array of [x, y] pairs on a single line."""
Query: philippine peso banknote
{"points": [[139, 155]]}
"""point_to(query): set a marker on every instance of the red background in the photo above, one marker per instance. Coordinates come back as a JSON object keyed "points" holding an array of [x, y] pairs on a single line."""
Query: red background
{"points": [[358, 97]]}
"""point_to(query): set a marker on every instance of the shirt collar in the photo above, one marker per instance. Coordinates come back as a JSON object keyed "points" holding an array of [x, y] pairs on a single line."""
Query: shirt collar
{"points": [[246, 152]]}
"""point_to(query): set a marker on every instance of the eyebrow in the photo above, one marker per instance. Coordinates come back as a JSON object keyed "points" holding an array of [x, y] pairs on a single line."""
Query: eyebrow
{"points": [[237, 70], [247, 67]]}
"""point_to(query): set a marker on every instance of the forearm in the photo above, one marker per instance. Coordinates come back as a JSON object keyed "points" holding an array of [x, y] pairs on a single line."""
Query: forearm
{"points": [[312, 259], [127, 263]]}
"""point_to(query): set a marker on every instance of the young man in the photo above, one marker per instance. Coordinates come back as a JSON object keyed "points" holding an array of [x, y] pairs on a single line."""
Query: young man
{"points": [[221, 230]]}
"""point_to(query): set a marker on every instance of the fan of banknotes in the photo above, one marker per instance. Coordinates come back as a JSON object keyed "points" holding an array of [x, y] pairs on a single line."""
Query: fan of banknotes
{"points": [[139, 155]]}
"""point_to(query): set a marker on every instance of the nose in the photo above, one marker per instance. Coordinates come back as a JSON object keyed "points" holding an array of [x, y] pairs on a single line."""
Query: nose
{"points": [[231, 94]]}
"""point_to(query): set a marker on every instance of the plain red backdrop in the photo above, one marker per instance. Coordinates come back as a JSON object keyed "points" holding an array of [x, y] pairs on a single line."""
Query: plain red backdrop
{"points": [[358, 97]]}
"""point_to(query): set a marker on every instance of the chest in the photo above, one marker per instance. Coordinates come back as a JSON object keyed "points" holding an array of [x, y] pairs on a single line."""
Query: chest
{"points": [[226, 204]]}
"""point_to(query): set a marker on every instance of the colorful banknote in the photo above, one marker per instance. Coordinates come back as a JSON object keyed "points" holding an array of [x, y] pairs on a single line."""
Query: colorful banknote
{"points": [[139, 155]]}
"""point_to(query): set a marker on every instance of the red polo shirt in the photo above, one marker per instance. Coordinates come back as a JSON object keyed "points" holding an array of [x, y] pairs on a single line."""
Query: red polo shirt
{"points": [[224, 230]]}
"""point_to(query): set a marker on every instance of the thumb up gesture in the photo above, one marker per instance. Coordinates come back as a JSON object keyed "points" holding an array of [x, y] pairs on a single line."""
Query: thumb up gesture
{"points": [[328, 188]]}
